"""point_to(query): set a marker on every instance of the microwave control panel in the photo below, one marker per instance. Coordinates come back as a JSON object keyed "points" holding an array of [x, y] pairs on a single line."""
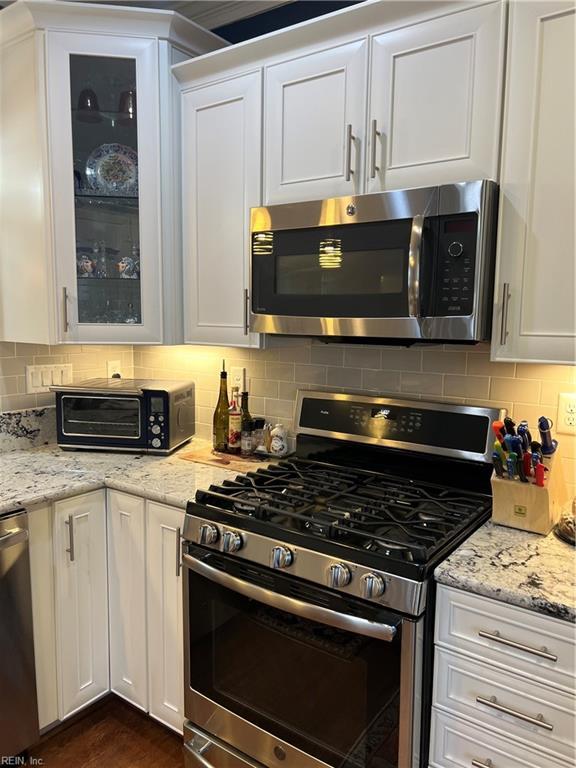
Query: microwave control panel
{"points": [[157, 426], [456, 263]]}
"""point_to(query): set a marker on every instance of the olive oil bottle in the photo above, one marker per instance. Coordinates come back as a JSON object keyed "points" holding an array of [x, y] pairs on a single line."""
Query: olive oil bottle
{"points": [[234, 423], [220, 421]]}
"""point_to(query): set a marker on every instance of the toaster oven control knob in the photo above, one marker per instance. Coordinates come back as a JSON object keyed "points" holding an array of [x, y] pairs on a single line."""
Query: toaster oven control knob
{"points": [[373, 586], [339, 575], [231, 541], [208, 534], [156, 429], [156, 442], [282, 557], [455, 249]]}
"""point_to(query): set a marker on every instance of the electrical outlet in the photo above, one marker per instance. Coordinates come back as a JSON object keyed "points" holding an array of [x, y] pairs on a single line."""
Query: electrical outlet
{"points": [[114, 369], [566, 413], [238, 378]]}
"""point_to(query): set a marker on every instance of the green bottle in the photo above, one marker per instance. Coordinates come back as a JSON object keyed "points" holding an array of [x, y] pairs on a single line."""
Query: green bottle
{"points": [[220, 420]]}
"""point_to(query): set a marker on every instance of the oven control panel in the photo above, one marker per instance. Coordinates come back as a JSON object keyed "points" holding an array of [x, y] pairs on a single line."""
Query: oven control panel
{"points": [[395, 422], [384, 589], [454, 289], [156, 427]]}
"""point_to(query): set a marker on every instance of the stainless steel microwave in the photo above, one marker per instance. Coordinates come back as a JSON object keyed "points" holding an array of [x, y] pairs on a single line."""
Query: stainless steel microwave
{"points": [[140, 415], [410, 265]]}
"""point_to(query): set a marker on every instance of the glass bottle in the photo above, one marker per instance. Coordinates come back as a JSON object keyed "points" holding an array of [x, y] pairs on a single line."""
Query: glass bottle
{"points": [[220, 420], [247, 427], [234, 422]]}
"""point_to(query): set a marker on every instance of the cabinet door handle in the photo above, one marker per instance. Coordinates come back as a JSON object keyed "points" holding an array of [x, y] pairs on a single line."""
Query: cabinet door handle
{"points": [[70, 524], [504, 322], [65, 309], [492, 702], [483, 764], [246, 300], [543, 652], [349, 139], [374, 146], [178, 552]]}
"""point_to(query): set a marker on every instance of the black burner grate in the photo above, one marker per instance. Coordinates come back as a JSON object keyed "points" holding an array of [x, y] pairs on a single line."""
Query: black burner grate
{"points": [[380, 513]]}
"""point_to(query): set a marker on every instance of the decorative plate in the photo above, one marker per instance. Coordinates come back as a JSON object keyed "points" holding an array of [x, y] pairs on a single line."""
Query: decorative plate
{"points": [[112, 169]]}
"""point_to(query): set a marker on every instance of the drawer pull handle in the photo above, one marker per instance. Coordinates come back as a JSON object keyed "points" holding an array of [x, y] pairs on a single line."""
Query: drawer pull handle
{"points": [[492, 702], [482, 764], [543, 652]]}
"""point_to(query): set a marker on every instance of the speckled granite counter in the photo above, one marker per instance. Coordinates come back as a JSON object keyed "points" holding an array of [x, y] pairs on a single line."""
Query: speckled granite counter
{"points": [[46, 474], [515, 567]]}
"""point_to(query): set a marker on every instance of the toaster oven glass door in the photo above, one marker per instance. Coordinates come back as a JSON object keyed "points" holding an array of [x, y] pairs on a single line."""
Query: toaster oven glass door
{"points": [[102, 417]]}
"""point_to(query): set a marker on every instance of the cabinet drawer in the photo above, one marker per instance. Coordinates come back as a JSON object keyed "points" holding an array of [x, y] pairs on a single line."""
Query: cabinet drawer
{"points": [[521, 709], [456, 744], [525, 642]]}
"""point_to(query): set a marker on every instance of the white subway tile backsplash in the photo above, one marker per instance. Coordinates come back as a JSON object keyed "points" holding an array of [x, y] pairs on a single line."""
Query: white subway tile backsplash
{"points": [[381, 381], [516, 390], [421, 383], [327, 354], [467, 386], [401, 359], [280, 371], [362, 357], [479, 364], [445, 362], [310, 374], [346, 378]]}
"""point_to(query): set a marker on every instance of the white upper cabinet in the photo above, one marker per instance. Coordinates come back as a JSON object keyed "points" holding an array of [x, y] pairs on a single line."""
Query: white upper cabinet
{"points": [[435, 95], [91, 243], [221, 167], [314, 124], [534, 317]]}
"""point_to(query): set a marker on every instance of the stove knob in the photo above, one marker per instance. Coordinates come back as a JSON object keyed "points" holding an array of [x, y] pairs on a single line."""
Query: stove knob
{"points": [[231, 541], [339, 575], [373, 586], [156, 442], [156, 429], [282, 557], [209, 534]]}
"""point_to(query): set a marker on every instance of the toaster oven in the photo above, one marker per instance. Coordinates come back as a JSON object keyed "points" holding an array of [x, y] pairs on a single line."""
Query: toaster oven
{"points": [[139, 415]]}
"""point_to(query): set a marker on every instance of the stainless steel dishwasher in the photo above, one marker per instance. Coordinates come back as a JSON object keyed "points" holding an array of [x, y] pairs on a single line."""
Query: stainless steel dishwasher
{"points": [[18, 702]]}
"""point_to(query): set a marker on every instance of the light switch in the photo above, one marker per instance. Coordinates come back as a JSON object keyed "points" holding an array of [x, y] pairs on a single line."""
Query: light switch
{"points": [[46, 376], [36, 377]]}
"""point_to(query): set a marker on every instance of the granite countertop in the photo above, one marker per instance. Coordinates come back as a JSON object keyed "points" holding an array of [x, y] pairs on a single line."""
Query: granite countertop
{"points": [[515, 567], [37, 475]]}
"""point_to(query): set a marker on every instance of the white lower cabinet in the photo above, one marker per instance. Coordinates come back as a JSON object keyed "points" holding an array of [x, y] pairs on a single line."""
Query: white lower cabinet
{"points": [[165, 632], [127, 597], [503, 686], [107, 605], [81, 600]]}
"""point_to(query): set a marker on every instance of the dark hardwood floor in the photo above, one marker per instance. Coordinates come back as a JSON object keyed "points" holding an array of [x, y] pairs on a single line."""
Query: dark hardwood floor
{"points": [[111, 735]]}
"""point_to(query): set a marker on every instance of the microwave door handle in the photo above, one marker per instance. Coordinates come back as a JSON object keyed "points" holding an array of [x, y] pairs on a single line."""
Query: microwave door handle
{"points": [[292, 605], [414, 257]]}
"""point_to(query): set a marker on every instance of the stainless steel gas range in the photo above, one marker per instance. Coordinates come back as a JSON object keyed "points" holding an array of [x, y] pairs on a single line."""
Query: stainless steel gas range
{"points": [[308, 590]]}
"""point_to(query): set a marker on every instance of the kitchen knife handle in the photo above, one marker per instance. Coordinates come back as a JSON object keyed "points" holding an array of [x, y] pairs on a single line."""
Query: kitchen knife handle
{"points": [[504, 322], [414, 254]]}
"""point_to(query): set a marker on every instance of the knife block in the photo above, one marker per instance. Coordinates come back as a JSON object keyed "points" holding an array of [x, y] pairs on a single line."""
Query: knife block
{"points": [[527, 506]]}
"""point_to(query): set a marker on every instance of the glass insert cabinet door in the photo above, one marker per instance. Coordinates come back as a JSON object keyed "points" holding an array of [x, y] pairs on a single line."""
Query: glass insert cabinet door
{"points": [[103, 98]]}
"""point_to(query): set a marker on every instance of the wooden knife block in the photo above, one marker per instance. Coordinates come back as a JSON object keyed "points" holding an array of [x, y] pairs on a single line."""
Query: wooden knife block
{"points": [[527, 506]]}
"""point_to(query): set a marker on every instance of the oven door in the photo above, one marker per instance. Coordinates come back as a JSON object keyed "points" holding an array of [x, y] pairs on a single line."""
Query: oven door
{"points": [[291, 674], [318, 271], [100, 421]]}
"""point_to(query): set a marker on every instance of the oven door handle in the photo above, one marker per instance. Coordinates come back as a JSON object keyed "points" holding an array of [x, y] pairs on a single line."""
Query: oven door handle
{"points": [[310, 611]]}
